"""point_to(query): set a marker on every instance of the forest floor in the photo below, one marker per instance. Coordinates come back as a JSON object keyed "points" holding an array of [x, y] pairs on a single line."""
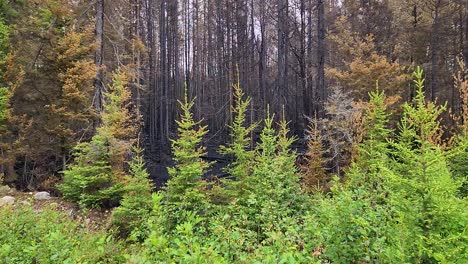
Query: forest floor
{"points": [[91, 219]]}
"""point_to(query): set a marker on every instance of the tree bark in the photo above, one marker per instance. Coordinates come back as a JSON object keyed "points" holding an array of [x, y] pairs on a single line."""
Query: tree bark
{"points": [[321, 89], [98, 57]]}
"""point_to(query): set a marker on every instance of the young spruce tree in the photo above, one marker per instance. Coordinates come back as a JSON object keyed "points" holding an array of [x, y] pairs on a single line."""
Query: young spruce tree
{"points": [[356, 223], [431, 215], [184, 192], [131, 217], [96, 177], [273, 193], [314, 174], [459, 157], [238, 148]]}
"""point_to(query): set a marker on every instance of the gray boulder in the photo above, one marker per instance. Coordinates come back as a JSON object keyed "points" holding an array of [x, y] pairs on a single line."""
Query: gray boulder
{"points": [[7, 200], [42, 196]]}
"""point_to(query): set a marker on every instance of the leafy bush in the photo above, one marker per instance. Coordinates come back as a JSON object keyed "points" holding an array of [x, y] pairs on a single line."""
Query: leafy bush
{"points": [[50, 237]]}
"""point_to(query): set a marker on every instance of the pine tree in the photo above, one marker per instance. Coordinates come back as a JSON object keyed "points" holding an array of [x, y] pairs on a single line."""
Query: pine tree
{"points": [[314, 174], [49, 72], [459, 159], [374, 150], [259, 205], [238, 148], [88, 180], [4, 107], [273, 195], [119, 124], [4, 47], [6, 140], [430, 212], [4, 113], [184, 192], [287, 173], [131, 217], [341, 129], [363, 64], [357, 219], [96, 177]]}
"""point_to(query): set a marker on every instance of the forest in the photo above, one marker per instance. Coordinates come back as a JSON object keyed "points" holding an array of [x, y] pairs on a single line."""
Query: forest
{"points": [[233, 131]]}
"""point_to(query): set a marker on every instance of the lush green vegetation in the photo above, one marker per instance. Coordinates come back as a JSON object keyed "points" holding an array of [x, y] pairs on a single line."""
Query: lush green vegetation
{"points": [[50, 237], [401, 201], [88, 88]]}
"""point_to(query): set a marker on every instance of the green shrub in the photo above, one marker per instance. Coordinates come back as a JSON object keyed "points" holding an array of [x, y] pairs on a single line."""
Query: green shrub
{"points": [[50, 237], [182, 245], [458, 163], [351, 227]]}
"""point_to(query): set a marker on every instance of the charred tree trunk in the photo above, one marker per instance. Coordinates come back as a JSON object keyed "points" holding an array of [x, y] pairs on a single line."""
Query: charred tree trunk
{"points": [[321, 89], [434, 53], [153, 111], [282, 9], [98, 57]]}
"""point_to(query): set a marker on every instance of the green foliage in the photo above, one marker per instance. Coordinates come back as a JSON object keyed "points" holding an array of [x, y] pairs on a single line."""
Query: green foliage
{"points": [[184, 191], [97, 178], [89, 179], [238, 148], [458, 163], [432, 215], [272, 193], [4, 92], [4, 106], [350, 227], [50, 237], [354, 224], [182, 245], [131, 217], [4, 46], [118, 122], [9, 9], [374, 150]]}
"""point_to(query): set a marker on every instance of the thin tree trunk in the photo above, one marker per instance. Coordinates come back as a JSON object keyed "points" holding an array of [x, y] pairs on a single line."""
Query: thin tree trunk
{"points": [[321, 89], [434, 53], [98, 57]]}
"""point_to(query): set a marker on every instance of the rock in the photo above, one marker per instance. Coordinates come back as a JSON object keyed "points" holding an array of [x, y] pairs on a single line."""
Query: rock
{"points": [[87, 221], [71, 213], [42, 196], [7, 200]]}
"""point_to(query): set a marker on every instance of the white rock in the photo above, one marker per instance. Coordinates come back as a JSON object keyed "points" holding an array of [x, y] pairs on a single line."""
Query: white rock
{"points": [[7, 200], [42, 196]]}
